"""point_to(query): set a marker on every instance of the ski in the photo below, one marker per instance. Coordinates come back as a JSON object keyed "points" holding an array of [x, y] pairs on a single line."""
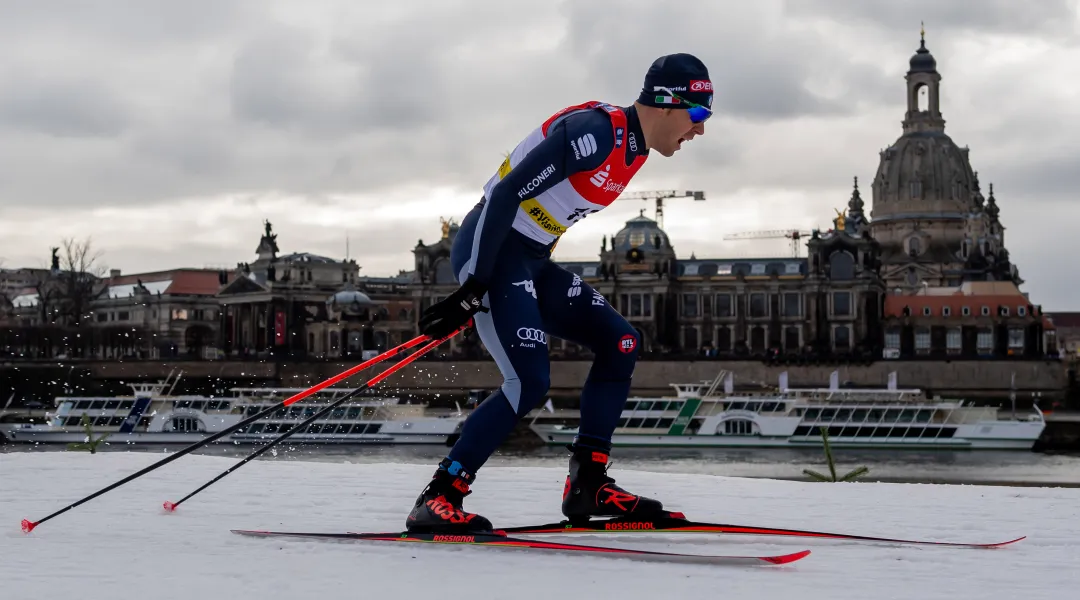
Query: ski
{"points": [[678, 523], [498, 540]]}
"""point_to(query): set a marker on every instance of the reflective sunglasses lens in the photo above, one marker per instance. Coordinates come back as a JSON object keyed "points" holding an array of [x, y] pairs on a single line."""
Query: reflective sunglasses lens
{"points": [[699, 114]]}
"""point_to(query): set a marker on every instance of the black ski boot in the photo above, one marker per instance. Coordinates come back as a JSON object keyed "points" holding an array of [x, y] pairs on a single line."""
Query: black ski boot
{"points": [[589, 492], [438, 508]]}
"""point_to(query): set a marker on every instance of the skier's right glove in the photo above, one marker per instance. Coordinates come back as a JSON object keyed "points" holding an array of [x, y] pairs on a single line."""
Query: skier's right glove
{"points": [[443, 318]]}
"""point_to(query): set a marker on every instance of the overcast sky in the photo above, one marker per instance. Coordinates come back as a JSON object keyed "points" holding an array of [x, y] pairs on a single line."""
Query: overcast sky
{"points": [[167, 131]]}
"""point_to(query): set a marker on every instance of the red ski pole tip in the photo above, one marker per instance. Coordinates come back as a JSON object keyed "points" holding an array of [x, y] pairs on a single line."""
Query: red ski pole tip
{"points": [[169, 506], [28, 526]]}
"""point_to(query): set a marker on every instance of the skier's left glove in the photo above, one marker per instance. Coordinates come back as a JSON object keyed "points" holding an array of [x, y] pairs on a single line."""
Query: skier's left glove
{"points": [[443, 318]]}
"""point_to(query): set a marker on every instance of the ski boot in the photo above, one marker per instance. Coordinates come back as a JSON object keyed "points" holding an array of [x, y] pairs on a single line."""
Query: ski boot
{"points": [[438, 508], [590, 492]]}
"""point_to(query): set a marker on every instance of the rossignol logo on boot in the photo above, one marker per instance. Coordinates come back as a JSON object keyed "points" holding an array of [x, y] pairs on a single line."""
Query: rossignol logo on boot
{"points": [[629, 526]]}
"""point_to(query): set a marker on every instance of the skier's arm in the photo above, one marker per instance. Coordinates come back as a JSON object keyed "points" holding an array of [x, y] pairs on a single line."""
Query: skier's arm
{"points": [[551, 161]]}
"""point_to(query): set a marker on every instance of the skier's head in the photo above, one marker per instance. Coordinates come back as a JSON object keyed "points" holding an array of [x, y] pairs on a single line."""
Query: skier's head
{"points": [[675, 101]]}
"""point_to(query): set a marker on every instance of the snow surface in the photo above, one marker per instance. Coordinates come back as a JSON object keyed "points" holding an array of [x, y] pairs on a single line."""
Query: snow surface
{"points": [[123, 545]]}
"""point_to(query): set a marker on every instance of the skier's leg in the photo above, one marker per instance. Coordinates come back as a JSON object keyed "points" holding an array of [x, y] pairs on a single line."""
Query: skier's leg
{"points": [[574, 311], [513, 333]]}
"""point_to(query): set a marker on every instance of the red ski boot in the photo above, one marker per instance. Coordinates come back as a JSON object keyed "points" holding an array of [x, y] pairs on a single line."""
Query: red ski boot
{"points": [[438, 508], [590, 492]]}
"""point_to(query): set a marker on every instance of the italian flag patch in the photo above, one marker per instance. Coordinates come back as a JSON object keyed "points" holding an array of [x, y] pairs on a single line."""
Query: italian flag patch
{"points": [[667, 100]]}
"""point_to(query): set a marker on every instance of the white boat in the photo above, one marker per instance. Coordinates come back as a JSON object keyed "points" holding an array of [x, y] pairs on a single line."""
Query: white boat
{"points": [[153, 416], [787, 417]]}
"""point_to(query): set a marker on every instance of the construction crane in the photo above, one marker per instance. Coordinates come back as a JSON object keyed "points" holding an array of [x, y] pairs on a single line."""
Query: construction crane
{"points": [[792, 234], [659, 197]]}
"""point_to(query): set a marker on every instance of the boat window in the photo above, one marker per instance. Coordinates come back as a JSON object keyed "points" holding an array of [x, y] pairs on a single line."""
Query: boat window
{"points": [[843, 414], [665, 423], [738, 427], [635, 423], [256, 428], [876, 414], [622, 423], [252, 410], [337, 413], [197, 404], [645, 406], [82, 405], [632, 405], [812, 414], [182, 404], [116, 421], [892, 415], [272, 427], [280, 413], [358, 428], [112, 404], [343, 428], [72, 421], [859, 415], [295, 411], [353, 414], [650, 423], [127, 405], [737, 406], [924, 416], [213, 405], [828, 414]]}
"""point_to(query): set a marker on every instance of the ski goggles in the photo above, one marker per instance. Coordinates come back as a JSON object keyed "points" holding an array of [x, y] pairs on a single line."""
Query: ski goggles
{"points": [[697, 112]]}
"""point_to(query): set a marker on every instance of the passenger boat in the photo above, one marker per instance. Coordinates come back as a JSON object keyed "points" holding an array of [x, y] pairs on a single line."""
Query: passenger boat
{"points": [[790, 417], [151, 415]]}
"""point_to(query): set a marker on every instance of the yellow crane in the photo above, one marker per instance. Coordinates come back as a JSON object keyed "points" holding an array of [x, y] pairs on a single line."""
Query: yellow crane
{"points": [[792, 234], [659, 197]]}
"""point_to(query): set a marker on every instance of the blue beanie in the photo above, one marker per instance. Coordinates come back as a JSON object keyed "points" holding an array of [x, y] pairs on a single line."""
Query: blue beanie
{"points": [[681, 73]]}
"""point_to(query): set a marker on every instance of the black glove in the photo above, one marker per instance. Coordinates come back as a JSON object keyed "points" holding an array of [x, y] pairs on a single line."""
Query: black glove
{"points": [[443, 318]]}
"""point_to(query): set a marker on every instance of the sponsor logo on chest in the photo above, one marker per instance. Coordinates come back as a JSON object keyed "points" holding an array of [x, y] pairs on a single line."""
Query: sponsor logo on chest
{"points": [[602, 180]]}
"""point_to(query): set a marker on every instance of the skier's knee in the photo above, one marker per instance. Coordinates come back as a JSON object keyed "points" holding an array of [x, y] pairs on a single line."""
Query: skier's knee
{"points": [[621, 356], [526, 391]]}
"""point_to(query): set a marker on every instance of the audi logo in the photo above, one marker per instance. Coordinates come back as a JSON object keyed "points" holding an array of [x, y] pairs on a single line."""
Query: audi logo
{"points": [[532, 335]]}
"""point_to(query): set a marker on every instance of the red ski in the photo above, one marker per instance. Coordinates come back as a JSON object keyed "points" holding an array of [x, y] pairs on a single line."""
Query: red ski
{"points": [[499, 540], [677, 523]]}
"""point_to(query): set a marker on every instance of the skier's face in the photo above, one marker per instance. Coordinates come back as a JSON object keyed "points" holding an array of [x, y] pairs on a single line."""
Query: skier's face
{"points": [[675, 127]]}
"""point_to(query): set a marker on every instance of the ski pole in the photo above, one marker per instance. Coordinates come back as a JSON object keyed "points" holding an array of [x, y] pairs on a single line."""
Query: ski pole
{"points": [[28, 526], [171, 506]]}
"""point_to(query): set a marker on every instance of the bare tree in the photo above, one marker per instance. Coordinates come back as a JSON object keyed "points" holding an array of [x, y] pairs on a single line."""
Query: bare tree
{"points": [[65, 294]]}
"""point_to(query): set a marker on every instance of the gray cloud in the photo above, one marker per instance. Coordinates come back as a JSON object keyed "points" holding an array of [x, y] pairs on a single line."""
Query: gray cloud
{"points": [[138, 104], [945, 19]]}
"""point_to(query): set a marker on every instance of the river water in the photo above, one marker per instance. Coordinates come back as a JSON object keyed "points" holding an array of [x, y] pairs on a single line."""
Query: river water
{"points": [[915, 466]]}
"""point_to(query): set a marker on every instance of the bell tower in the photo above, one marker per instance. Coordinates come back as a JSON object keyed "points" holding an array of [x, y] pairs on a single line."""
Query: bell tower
{"points": [[922, 74]]}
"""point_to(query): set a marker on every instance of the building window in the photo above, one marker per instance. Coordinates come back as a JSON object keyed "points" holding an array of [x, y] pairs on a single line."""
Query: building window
{"points": [[706, 305], [986, 311], [690, 338], [914, 246], [841, 304], [723, 338], [966, 311], [1021, 311], [926, 311], [954, 340], [842, 337], [792, 304], [757, 339], [912, 278], [723, 306], [922, 340], [1004, 311], [984, 341], [892, 338], [635, 305], [841, 266], [946, 311], [1016, 340], [690, 305], [916, 189], [791, 338], [758, 306]]}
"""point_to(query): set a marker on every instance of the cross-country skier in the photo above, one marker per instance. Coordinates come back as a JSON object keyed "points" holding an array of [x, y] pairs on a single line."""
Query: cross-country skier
{"points": [[575, 164]]}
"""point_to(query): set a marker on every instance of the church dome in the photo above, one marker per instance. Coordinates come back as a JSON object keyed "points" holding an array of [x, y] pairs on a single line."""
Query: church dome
{"points": [[640, 232], [350, 301], [925, 174], [922, 61]]}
